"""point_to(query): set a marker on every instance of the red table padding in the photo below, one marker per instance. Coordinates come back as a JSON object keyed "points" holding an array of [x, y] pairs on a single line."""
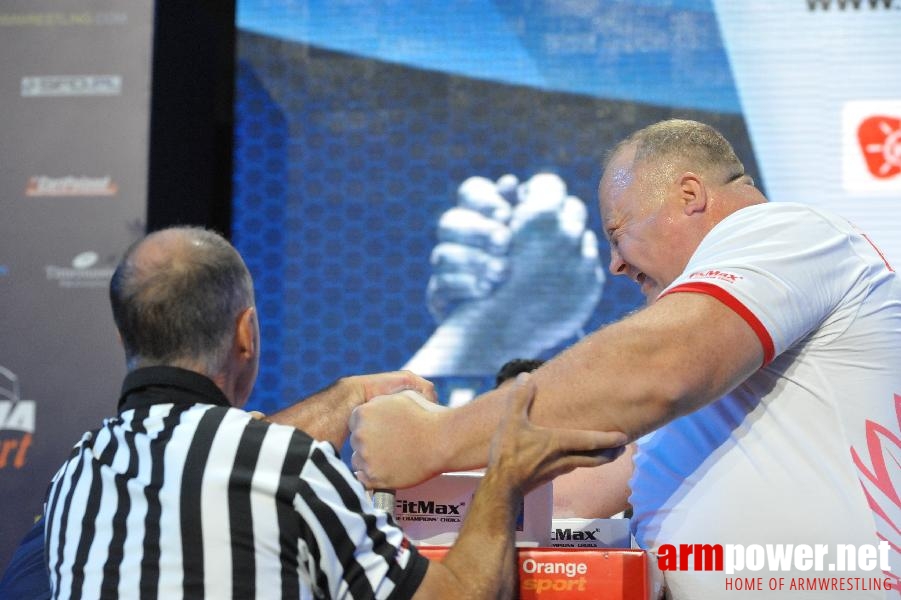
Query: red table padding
{"points": [[570, 573]]}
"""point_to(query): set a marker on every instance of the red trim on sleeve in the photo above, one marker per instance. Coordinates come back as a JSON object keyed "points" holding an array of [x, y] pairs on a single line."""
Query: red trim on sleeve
{"points": [[769, 350]]}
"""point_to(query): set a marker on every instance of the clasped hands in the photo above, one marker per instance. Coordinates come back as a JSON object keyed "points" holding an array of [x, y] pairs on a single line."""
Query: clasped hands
{"points": [[402, 439]]}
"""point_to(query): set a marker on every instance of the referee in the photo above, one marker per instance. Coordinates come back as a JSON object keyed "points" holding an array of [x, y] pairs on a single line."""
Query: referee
{"points": [[185, 495]]}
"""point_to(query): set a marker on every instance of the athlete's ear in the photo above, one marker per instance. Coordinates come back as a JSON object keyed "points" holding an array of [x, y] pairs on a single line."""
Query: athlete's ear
{"points": [[692, 193]]}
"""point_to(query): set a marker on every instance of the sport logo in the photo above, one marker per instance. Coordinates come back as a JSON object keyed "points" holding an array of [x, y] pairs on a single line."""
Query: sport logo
{"points": [[871, 146], [87, 270], [428, 511], [44, 186], [569, 537], [880, 142], [560, 576], [71, 85], [16, 422], [716, 274], [428, 507], [877, 467], [790, 567], [579, 535]]}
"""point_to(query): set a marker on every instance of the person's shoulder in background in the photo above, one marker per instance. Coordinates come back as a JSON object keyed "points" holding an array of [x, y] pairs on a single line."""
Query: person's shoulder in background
{"points": [[26, 575]]}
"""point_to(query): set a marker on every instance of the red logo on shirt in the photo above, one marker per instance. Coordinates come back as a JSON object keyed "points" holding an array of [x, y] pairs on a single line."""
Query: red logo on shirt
{"points": [[879, 476], [880, 142], [716, 274]]}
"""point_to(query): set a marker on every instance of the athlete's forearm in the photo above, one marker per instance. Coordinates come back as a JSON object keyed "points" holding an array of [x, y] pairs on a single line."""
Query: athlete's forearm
{"points": [[469, 430], [631, 377]]}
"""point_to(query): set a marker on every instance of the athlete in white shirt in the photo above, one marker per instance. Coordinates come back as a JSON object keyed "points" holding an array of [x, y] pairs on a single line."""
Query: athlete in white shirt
{"points": [[781, 458], [768, 360]]}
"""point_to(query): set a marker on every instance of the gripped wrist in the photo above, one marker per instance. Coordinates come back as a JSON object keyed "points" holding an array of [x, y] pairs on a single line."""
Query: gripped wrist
{"points": [[351, 393]]}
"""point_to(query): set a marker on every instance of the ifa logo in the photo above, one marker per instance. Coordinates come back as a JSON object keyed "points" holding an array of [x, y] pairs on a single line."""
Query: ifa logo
{"points": [[17, 418], [872, 146]]}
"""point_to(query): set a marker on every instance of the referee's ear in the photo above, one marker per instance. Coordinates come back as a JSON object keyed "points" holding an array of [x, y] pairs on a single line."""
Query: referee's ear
{"points": [[245, 357], [246, 339]]}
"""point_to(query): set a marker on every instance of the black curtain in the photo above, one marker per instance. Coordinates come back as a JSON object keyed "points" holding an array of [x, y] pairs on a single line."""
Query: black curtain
{"points": [[191, 114]]}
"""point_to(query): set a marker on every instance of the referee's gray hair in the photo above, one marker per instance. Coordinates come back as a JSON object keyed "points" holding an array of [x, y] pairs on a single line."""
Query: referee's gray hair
{"points": [[180, 306]]}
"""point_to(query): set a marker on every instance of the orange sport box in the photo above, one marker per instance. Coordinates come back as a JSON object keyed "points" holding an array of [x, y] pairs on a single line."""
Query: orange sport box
{"points": [[567, 573]]}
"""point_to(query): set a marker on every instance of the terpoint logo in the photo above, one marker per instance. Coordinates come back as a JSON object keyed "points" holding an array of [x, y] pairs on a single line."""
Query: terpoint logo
{"points": [[87, 271]]}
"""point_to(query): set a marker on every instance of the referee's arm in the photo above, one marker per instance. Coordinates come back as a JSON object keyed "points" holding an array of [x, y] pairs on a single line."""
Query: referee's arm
{"points": [[325, 414], [482, 563]]}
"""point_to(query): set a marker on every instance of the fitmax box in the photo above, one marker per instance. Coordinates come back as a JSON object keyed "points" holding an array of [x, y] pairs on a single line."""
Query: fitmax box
{"points": [[590, 533], [432, 513]]}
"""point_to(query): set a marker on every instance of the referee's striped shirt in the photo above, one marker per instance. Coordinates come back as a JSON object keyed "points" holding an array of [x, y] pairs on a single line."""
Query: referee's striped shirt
{"points": [[182, 496]]}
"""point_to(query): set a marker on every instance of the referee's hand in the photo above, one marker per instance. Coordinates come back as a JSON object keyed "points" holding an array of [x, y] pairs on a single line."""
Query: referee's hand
{"points": [[528, 455]]}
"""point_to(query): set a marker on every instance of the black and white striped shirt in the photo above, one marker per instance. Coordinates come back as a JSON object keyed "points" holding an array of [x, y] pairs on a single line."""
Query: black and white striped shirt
{"points": [[181, 495]]}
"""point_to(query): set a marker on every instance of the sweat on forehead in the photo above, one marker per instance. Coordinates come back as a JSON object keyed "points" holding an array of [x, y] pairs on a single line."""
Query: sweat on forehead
{"points": [[622, 172]]}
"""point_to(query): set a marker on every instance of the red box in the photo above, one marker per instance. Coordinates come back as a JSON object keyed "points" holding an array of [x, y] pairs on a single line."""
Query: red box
{"points": [[575, 573]]}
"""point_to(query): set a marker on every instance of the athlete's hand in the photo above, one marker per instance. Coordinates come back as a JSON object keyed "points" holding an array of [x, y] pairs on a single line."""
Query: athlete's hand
{"points": [[392, 437]]}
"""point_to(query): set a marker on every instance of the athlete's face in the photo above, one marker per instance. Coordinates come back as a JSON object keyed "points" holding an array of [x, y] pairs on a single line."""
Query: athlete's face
{"points": [[641, 220]]}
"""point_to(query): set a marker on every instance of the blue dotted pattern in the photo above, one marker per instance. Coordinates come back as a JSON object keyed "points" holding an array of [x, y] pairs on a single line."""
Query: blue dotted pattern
{"points": [[342, 168], [260, 158]]}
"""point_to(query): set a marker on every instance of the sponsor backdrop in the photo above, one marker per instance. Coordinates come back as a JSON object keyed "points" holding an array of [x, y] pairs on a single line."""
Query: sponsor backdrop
{"points": [[357, 122], [74, 104], [359, 127]]}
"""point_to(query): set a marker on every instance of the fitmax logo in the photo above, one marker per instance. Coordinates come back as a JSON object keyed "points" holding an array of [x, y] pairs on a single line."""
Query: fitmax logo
{"points": [[576, 536], [422, 507], [715, 274]]}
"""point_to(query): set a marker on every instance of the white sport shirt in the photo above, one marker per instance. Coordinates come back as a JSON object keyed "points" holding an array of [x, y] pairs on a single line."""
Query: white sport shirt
{"points": [[807, 450]]}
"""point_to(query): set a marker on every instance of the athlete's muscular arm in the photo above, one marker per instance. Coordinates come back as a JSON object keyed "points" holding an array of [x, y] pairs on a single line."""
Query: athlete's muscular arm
{"points": [[662, 362]]}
